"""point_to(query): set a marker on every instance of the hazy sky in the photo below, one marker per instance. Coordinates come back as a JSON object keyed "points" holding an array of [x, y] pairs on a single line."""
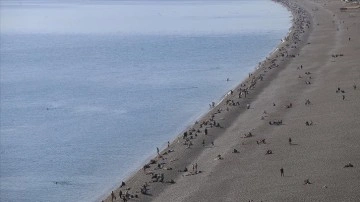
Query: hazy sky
{"points": [[135, 17]]}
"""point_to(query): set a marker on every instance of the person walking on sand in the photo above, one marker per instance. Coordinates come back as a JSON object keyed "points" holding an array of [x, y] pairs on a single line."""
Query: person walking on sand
{"points": [[113, 196], [282, 172]]}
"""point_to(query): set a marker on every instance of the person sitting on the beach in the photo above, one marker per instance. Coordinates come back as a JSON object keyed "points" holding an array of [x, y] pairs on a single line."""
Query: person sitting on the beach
{"points": [[289, 105], [146, 166], [122, 184], [235, 151], [307, 181], [144, 190], [219, 157], [349, 165], [269, 152]]}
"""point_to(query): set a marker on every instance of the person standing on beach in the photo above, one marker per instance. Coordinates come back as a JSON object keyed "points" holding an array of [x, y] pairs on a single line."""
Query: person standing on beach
{"points": [[290, 140], [158, 150], [282, 172], [113, 196]]}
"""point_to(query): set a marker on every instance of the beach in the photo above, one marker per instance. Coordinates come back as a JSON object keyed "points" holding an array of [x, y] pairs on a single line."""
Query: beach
{"points": [[290, 132]]}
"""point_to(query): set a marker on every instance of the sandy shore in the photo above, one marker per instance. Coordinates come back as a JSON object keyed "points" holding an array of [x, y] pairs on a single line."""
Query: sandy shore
{"points": [[306, 92]]}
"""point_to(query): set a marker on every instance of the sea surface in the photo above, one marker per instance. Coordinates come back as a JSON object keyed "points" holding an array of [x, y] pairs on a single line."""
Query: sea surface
{"points": [[89, 89]]}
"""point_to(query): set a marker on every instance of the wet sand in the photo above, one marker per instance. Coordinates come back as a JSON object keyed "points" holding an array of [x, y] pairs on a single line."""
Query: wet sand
{"points": [[308, 91]]}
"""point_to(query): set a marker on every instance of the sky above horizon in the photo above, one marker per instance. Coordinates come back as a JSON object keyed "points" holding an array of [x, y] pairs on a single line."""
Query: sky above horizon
{"points": [[135, 17]]}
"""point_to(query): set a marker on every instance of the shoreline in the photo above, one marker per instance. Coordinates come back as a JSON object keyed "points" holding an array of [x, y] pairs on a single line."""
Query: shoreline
{"points": [[231, 110], [206, 114]]}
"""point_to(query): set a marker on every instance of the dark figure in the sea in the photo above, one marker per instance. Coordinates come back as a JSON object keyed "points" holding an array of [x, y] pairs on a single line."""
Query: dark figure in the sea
{"points": [[282, 172], [290, 141]]}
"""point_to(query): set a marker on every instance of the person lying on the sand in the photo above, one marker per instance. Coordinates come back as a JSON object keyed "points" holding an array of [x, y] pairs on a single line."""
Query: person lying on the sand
{"points": [[275, 122], [268, 152], [307, 123], [185, 170]]}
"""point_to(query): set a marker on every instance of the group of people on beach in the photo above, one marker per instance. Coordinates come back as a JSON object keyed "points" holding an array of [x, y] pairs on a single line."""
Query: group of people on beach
{"points": [[201, 133]]}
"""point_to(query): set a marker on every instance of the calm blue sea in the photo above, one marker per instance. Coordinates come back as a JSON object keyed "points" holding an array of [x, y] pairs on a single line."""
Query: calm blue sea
{"points": [[89, 89]]}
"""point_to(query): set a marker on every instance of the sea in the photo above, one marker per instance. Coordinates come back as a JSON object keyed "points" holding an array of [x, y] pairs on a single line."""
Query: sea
{"points": [[90, 88]]}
